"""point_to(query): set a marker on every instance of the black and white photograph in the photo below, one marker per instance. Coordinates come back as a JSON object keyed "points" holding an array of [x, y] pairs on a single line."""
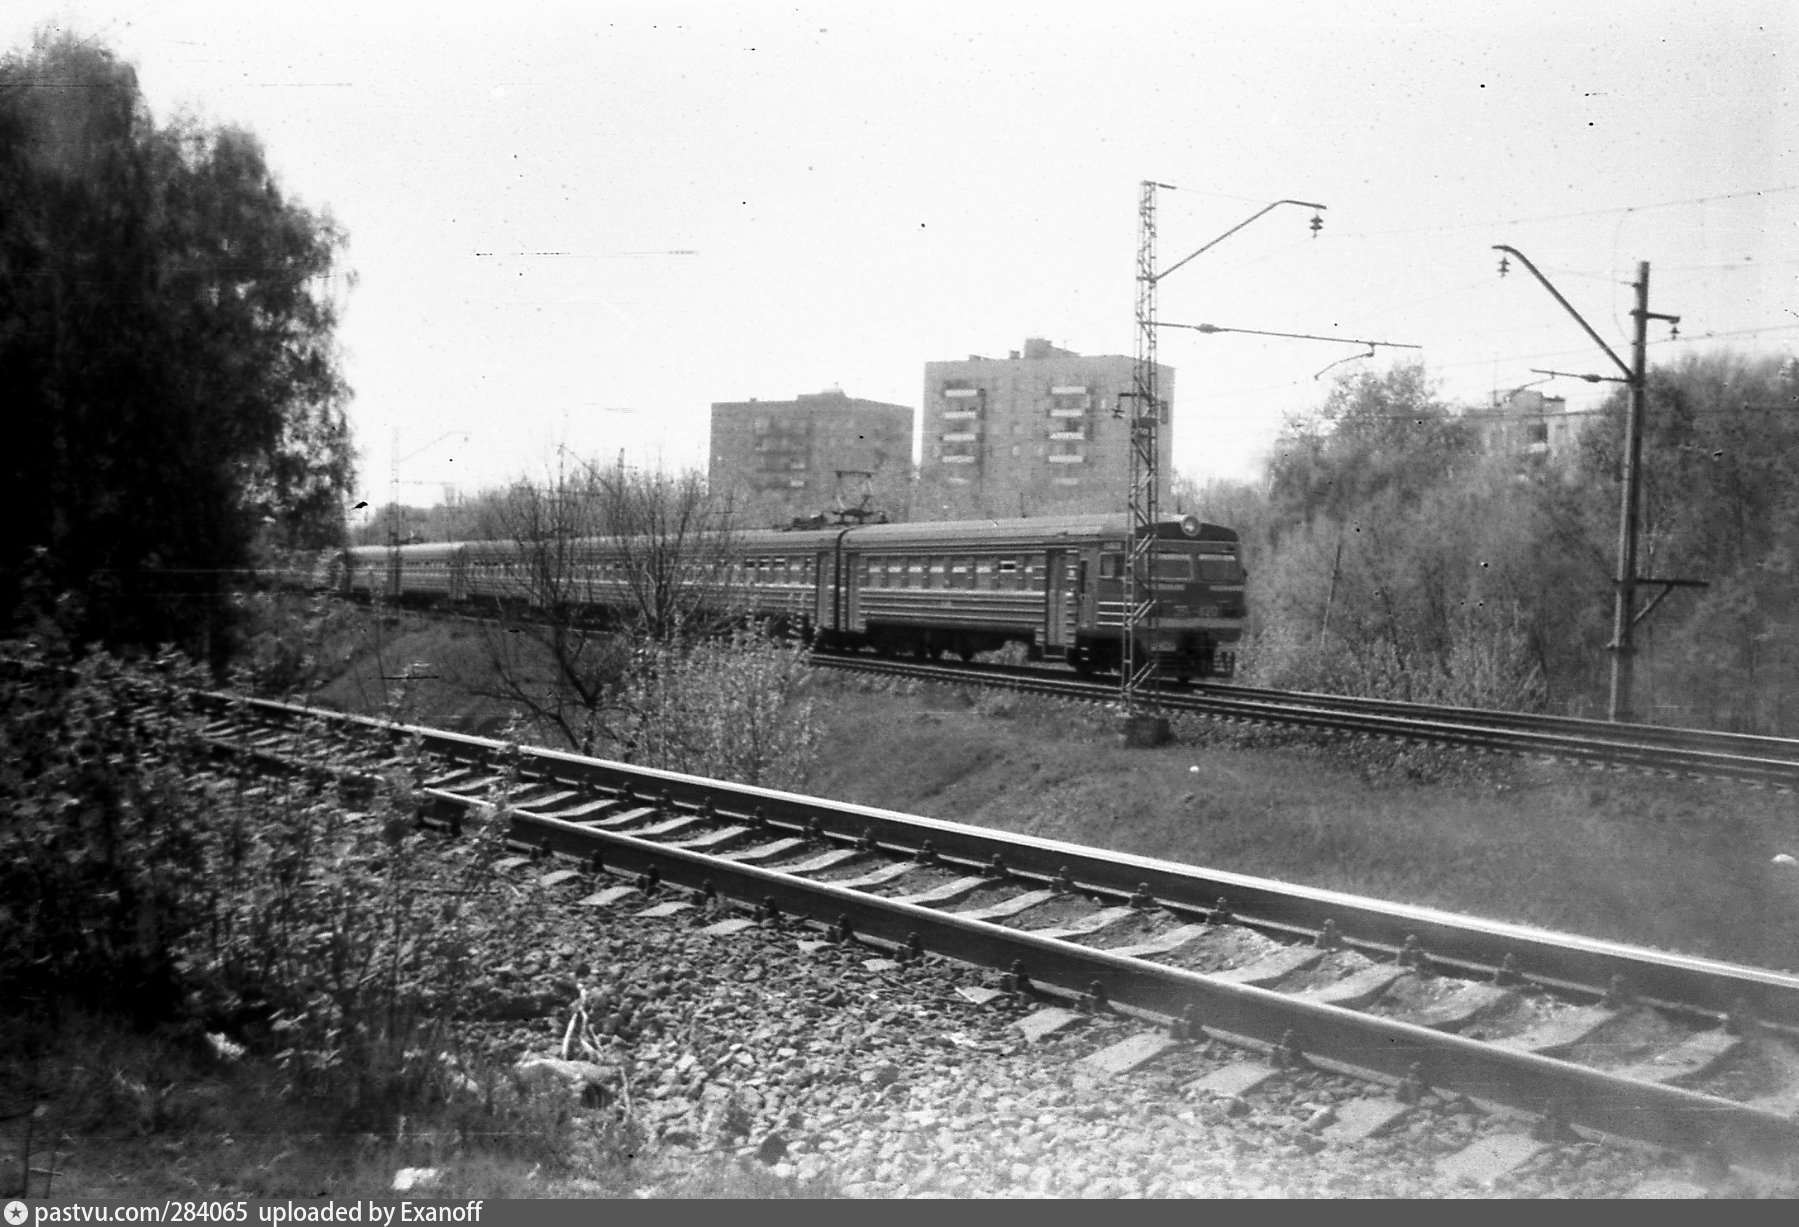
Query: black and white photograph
{"points": [[693, 600]]}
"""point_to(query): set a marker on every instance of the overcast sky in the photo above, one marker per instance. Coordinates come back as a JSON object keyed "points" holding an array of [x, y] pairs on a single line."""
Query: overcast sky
{"points": [[582, 224]]}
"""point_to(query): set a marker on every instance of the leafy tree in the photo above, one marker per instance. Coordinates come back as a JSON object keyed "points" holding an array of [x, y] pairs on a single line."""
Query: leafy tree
{"points": [[1374, 433], [166, 350], [1719, 503]]}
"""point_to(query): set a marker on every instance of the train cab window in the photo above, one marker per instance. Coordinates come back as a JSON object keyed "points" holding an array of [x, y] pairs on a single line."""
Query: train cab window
{"points": [[1111, 566], [1174, 566], [1219, 569]]}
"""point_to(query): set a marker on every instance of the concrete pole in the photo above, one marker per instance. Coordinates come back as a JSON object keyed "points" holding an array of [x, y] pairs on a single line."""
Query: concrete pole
{"points": [[1624, 606]]}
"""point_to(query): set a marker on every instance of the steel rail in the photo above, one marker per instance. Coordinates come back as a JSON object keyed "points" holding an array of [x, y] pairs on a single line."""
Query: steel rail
{"points": [[1773, 761], [1389, 1050]]}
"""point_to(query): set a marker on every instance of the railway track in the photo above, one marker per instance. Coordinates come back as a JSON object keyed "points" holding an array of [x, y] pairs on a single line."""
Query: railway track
{"points": [[1574, 1034], [1768, 761]]}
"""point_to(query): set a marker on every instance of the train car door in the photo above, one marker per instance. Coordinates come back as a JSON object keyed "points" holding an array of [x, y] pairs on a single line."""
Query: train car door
{"points": [[824, 587], [1055, 605]]}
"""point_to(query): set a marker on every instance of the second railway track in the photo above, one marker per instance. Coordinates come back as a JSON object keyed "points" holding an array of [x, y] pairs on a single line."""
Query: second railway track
{"points": [[1769, 761], [1677, 1052]]}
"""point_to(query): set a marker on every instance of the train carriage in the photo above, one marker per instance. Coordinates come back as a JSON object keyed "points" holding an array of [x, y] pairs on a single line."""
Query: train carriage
{"points": [[1053, 584], [368, 573]]}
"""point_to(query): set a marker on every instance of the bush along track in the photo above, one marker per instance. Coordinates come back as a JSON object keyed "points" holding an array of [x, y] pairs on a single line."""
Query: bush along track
{"points": [[1668, 1054]]}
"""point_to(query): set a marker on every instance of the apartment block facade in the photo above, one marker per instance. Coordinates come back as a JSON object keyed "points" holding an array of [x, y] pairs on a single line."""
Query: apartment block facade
{"points": [[1034, 432], [1535, 428], [788, 453]]}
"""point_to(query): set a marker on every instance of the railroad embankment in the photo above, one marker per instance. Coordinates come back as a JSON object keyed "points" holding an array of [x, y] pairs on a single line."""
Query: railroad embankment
{"points": [[1676, 864], [1671, 863]]}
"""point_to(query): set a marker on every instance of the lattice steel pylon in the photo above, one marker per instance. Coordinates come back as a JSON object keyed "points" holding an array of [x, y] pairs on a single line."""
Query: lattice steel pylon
{"points": [[1137, 659]]}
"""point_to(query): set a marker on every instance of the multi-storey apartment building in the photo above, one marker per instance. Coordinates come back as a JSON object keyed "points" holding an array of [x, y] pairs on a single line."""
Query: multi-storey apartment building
{"points": [[1537, 429], [1033, 432], [788, 453]]}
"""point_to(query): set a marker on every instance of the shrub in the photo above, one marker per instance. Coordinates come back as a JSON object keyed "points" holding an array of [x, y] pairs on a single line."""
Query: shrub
{"points": [[733, 709], [133, 871]]}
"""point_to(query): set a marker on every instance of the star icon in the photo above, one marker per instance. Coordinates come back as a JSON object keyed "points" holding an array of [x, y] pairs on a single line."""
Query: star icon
{"points": [[16, 1213]]}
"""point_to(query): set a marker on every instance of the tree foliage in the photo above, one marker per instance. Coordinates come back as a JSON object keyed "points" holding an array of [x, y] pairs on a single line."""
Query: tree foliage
{"points": [[1720, 503], [166, 347], [1386, 435], [1397, 554]]}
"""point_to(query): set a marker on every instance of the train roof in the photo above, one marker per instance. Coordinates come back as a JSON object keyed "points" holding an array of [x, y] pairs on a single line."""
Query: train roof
{"points": [[1045, 530], [936, 534]]}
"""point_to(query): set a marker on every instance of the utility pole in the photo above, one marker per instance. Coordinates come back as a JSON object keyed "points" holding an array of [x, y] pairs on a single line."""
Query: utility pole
{"points": [[1145, 419], [1625, 615], [1147, 415]]}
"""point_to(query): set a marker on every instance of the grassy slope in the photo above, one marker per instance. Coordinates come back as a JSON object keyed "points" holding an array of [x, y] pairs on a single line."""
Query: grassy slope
{"points": [[1677, 864]]}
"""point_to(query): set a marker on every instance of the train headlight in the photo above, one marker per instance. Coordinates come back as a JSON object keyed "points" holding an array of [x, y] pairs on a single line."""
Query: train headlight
{"points": [[1190, 525]]}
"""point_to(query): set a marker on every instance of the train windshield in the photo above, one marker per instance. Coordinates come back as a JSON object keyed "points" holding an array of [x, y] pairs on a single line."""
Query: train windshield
{"points": [[1174, 566], [1219, 569]]}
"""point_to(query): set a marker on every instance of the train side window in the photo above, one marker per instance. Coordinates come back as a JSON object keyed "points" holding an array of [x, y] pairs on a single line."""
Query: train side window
{"points": [[1007, 578], [936, 578], [958, 574], [915, 573]]}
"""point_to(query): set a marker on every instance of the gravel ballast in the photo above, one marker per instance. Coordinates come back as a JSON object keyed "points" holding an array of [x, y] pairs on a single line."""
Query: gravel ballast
{"points": [[776, 1050]]}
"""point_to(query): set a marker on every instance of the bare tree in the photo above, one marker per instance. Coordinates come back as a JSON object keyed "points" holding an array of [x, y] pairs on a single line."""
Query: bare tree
{"points": [[595, 572], [551, 656], [670, 541]]}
